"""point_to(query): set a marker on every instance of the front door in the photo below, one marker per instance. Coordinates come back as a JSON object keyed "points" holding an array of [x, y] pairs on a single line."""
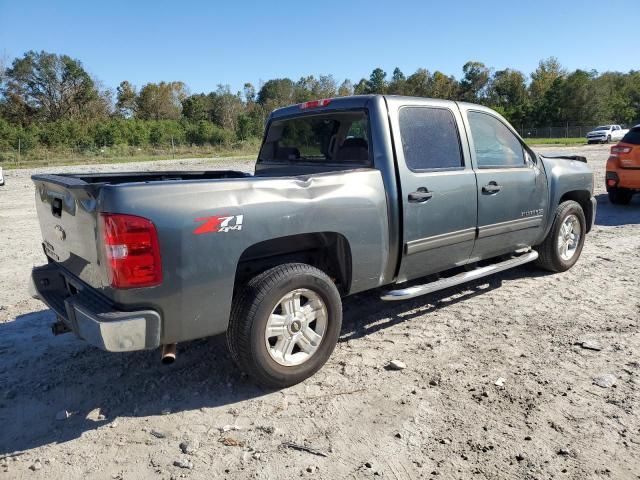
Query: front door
{"points": [[438, 186], [512, 188]]}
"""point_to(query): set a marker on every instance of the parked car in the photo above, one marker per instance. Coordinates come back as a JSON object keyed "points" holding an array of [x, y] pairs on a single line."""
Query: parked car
{"points": [[349, 194], [1, 177], [623, 168], [606, 134]]}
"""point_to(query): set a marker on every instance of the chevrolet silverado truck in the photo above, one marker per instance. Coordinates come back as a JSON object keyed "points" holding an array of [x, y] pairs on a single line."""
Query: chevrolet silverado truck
{"points": [[404, 195], [606, 134]]}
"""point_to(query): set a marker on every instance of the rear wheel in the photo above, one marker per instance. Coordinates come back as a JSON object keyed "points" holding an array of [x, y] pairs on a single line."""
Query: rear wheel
{"points": [[285, 324], [619, 196], [561, 248]]}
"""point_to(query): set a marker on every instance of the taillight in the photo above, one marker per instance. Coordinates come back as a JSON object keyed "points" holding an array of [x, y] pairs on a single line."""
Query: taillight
{"points": [[618, 149], [132, 251], [315, 103]]}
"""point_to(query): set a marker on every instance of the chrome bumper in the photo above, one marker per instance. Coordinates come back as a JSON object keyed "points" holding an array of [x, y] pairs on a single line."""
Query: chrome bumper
{"points": [[93, 318]]}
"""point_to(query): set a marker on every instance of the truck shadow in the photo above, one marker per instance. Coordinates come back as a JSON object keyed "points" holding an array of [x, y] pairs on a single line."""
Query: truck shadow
{"points": [[44, 376], [365, 314], [610, 215]]}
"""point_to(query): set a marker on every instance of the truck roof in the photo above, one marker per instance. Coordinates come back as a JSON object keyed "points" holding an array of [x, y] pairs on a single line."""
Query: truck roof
{"points": [[347, 103]]}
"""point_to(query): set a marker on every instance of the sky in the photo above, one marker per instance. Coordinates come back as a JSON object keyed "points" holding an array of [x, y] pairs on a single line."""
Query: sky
{"points": [[206, 43]]}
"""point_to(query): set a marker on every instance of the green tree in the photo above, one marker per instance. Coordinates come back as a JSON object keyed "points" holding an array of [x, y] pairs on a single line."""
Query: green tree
{"points": [[507, 93], [161, 101], [474, 82], [361, 88], [277, 93], [377, 81], [48, 87], [126, 99], [418, 84], [398, 83], [345, 89]]}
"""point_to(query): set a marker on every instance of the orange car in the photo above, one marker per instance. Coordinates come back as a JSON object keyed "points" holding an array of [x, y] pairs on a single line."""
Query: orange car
{"points": [[623, 168]]}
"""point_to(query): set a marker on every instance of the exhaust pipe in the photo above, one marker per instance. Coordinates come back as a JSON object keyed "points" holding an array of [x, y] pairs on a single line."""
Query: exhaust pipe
{"points": [[168, 353]]}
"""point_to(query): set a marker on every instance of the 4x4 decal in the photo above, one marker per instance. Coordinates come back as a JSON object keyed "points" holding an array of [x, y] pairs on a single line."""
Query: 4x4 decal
{"points": [[219, 224]]}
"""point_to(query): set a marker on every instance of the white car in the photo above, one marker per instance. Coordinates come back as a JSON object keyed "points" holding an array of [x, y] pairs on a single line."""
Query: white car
{"points": [[606, 134], [1, 177]]}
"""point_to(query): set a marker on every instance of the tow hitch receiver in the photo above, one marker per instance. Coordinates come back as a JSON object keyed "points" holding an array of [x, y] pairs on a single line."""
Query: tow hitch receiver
{"points": [[60, 327]]}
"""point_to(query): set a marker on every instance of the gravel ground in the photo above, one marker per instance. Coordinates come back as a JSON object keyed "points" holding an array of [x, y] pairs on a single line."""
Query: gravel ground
{"points": [[68, 410]]}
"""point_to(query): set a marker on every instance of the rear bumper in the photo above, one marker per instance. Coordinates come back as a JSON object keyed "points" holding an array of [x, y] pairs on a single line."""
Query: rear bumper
{"points": [[91, 317], [629, 177]]}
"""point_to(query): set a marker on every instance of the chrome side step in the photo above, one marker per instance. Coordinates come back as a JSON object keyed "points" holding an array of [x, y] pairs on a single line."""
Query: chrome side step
{"points": [[416, 291]]}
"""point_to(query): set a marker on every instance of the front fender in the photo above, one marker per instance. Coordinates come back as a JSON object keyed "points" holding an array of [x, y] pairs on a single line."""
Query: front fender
{"points": [[565, 177]]}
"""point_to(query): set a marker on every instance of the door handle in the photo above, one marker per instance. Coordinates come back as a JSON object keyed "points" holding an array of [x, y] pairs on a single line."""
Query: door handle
{"points": [[420, 196], [491, 187]]}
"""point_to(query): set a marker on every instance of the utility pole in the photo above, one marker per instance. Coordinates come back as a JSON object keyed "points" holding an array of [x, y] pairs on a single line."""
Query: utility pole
{"points": [[173, 148], [19, 148]]}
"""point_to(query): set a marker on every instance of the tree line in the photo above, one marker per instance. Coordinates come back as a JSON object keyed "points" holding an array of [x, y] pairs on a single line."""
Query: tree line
{"points": [[49, 100]]}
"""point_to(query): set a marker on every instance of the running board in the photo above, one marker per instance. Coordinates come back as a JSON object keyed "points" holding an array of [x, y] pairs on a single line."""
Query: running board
{"points": [[416, 291]]}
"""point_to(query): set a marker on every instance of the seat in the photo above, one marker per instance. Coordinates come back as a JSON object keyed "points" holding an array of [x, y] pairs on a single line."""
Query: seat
{"points": [[353, 149], [287, 153]]}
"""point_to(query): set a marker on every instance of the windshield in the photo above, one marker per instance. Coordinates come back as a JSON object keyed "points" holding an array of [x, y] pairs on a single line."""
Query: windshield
{"points": [[328, 137], [604, 127]]}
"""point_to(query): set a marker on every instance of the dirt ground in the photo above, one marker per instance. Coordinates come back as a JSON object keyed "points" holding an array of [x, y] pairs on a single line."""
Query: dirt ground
{"points": [[68, 410]]}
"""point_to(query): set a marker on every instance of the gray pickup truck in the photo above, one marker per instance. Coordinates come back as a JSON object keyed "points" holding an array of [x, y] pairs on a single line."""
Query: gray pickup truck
{"points": [[348, 194]]}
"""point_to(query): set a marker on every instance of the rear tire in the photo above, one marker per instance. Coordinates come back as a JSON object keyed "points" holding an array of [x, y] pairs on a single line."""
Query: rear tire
{"points": [[562, 247], [619, 196], [284, 324]]}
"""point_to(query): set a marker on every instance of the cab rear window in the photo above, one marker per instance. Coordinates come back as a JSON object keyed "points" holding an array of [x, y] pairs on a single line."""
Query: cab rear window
{"points": [[632, 136], [340, 138]]}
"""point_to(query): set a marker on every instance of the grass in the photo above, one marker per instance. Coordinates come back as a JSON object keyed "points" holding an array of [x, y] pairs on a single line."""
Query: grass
{"points": [[122, 154], [555, 141], [125, 154]]}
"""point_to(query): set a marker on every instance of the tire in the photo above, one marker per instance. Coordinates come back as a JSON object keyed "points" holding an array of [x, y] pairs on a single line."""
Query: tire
{"points": [[264, 301], [551, 254], [619, 196]]}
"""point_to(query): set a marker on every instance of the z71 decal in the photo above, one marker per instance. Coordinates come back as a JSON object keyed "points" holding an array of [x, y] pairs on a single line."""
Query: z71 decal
{"points": [[219, 224]]}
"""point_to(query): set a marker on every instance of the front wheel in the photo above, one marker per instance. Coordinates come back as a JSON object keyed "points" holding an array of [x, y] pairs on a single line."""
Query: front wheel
{"points": [[285, 324], [561, 248]]}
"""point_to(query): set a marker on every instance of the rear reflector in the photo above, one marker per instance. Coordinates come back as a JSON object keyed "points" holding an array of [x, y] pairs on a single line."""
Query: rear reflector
{"points": [[618, 149], [132, 251], [611, 182], [315, 103]]}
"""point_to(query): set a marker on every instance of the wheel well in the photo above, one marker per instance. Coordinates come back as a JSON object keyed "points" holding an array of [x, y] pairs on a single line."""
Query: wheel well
{"points": [[328, 251], [583, 197]]}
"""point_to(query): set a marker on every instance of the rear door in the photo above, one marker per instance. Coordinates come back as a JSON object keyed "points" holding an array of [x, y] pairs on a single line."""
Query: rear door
{"points": [[511, 189], [437, 186]]}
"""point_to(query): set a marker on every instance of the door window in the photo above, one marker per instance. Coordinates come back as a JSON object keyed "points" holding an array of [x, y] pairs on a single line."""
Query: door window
{"points": [[495, 145], [430, 138]]}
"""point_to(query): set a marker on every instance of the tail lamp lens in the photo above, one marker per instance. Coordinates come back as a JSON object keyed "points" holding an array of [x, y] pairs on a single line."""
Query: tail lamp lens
{"points": [[132, 251], [620, 149]]}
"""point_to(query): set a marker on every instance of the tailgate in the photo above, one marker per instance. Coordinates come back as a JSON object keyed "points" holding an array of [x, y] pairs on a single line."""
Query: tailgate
{"points": [[67, 214]]}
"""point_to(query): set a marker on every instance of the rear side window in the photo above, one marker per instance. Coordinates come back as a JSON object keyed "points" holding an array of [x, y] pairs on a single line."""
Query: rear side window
{"points": [[340, 138], [495, 145], [632, 136], [430, 138]]}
